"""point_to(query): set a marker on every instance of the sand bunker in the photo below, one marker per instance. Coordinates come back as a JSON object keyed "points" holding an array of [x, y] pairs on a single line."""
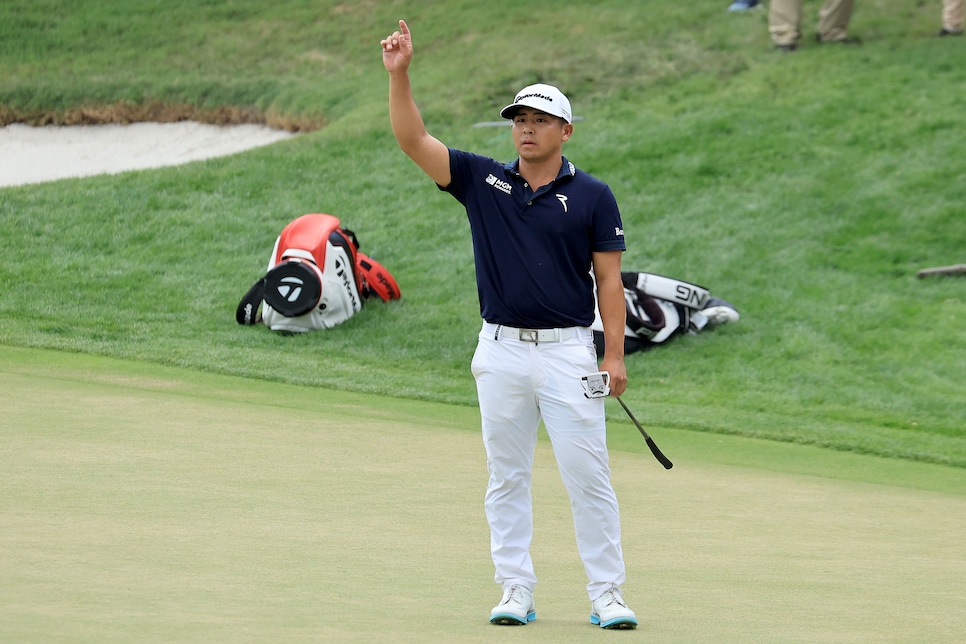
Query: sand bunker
{"points": [[38, 154]]}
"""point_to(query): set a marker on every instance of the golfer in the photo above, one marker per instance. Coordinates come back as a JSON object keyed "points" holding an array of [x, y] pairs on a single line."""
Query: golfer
{"points": [[538, 226]]}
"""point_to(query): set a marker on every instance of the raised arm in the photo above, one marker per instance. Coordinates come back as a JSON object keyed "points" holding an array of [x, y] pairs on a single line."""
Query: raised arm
{"points": [[429, 153], [610, 301]]}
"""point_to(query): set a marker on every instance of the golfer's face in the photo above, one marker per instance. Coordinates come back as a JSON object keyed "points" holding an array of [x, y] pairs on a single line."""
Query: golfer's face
{"points": [[537, 134]]}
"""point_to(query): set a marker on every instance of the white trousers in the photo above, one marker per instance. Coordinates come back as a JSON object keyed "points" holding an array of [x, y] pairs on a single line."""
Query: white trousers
{"points": [[518, 384]]}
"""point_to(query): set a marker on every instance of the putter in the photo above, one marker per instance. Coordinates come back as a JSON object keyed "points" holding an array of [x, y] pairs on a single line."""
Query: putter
{"points": [[662, 459]]}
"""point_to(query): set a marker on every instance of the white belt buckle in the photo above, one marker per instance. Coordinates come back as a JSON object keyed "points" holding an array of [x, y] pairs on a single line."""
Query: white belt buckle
{"points": [[529, 335]]}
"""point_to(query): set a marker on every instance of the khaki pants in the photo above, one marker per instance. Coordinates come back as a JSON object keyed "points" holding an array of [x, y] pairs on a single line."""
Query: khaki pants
{"points": [[785, 20], [953, 11]]}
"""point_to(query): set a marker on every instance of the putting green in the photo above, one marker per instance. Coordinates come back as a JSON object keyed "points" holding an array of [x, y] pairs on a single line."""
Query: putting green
{"points": [[146, 503]]}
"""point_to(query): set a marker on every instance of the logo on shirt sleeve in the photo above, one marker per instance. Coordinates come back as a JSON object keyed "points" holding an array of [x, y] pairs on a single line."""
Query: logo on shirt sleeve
{"points": [[499, 184]]}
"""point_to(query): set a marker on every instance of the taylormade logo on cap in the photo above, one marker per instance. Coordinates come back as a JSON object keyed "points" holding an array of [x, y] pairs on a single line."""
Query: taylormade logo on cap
{"points": [[545, 98]]}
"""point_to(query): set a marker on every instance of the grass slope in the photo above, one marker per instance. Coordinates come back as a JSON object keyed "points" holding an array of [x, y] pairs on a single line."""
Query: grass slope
{"points": [[158, 503], [805, 189]]}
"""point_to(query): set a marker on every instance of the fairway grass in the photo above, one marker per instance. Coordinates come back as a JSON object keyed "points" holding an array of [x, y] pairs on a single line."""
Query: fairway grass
{"points": [[146, 503]]}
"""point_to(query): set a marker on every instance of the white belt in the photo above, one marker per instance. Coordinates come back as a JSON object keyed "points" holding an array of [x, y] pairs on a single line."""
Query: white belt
{"points": [[500, 331]]}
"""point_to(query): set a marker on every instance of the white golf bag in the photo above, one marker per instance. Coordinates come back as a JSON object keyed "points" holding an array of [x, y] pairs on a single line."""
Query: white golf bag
{"points": [[659, 307]]}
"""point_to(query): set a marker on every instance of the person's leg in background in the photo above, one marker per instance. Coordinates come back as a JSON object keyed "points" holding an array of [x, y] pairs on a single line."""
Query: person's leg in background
{"points": [[833, 20], [953, 17], [785, 23]]}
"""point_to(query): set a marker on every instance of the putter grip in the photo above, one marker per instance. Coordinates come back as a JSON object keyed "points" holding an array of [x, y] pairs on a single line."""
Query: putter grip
{"points": [[658, 454]]}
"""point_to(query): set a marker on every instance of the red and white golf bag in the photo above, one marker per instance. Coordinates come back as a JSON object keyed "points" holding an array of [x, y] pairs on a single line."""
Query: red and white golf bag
{"points": [[316, 279]]}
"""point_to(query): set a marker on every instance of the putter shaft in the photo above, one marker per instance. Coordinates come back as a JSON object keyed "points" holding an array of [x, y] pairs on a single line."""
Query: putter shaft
{"points": [[658, 454]]}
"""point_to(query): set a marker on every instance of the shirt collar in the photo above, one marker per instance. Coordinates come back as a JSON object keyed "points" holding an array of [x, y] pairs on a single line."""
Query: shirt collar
{"points": [[567, 169]]}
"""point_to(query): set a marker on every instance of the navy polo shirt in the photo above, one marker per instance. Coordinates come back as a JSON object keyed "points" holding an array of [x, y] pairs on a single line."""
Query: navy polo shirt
{"points": [[533, 251]]}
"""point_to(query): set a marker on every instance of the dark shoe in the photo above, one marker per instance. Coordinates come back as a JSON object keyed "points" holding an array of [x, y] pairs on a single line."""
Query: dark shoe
{"points": [[848, 40], [786, 49], [949, 32]]}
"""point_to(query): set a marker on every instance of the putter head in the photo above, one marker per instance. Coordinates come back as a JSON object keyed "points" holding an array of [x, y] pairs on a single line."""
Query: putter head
{"points": [[596, 385]]}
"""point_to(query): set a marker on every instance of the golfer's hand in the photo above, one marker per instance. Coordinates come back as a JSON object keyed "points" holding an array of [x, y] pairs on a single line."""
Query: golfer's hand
{"points": [[397, 49], [618, 375]]}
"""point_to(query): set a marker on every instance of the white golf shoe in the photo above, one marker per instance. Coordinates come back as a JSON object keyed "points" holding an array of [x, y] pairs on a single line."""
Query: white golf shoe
{"points": [[515, 608], [610, 611]]}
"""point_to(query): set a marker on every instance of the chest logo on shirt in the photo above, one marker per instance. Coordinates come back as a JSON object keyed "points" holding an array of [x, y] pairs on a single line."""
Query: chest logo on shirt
{"points": [[499, 184], [563, 201]]}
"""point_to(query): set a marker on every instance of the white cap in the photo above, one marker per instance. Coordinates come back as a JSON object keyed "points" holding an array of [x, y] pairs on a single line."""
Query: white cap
{"points": [[545, 98]]}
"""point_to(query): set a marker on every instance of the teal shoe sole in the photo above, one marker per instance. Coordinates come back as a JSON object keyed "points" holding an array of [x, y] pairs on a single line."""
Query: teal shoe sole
{"points": [[618, 623], [507, 619]]}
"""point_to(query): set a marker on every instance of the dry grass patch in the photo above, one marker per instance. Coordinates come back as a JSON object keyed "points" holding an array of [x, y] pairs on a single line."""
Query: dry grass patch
{"points": [[124, 113]]}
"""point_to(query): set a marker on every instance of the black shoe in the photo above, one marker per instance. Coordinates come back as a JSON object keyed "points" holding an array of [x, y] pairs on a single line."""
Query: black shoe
{"points": [[787, 49], [949, 32], [848, 40]]}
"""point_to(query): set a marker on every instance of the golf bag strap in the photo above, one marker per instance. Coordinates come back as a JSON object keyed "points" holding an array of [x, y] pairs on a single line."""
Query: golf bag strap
{"points": [[653, 310], [351, 235], [673, 290]]}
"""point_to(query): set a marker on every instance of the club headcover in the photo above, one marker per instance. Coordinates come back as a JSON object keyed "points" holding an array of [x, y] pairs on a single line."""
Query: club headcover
{"points": [[377, 279], [293, 288], [247, 312]]}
